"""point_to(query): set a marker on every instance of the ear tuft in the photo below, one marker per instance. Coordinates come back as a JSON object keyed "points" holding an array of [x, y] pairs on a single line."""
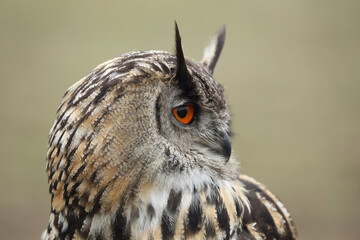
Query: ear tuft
{"points": [[182, 73], [213, 50]]}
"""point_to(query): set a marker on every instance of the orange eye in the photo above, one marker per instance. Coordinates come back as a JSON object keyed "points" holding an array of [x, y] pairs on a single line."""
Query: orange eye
{"points": [[184, 113]]}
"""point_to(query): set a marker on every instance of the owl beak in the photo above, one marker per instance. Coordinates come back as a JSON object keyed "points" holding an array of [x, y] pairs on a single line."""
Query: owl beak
{"points": [[226, 146], [221, 146]]}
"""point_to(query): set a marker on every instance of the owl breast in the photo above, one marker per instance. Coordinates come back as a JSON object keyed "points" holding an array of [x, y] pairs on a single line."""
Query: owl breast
{"points": [[190, 205]]}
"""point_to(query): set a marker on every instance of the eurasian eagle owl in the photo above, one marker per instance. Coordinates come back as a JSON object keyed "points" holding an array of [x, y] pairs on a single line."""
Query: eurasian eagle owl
{"points": [[140, 149]]}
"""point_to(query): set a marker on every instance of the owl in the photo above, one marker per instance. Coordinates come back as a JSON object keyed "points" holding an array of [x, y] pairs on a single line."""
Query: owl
{"points": [[140, 149]]}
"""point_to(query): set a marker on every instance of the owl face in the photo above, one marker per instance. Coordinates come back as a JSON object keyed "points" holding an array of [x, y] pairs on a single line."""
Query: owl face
{"points": [[195, 122]]}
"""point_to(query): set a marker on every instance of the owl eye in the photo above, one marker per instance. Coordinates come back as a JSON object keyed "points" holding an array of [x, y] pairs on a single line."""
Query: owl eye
{"points": [[184, 113]]}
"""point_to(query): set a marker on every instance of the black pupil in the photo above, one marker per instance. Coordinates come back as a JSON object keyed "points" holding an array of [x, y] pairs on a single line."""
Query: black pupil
{"points": [[182, 111]]}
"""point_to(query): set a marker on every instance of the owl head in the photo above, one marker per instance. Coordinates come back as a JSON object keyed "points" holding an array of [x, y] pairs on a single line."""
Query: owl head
{"points": [[140, 120]]}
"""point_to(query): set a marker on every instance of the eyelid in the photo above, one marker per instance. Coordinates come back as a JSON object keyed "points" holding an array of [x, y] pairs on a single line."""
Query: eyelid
{"points": [[182, 102]]}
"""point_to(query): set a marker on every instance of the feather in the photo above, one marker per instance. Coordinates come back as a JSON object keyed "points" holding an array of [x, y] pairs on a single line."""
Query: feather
{"points": [[182, 74], [212, 52]]}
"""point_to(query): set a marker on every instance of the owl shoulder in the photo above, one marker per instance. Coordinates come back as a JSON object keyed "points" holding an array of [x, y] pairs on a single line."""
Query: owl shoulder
{"points": [[267, 217]]}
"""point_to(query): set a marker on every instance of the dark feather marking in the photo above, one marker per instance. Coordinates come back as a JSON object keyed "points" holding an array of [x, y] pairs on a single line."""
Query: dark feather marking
{"points": [[165, 68], [96, 123], [171, 214], [238, 208], [51, 152], [222, 215], [70, 126], [105, 87], [150, 211], [195, 222], [59, 144], [58, 149], [75, 221], [78, 171], [94, 176], [212, 194], [62, 104], [57, 166], [63, 122], [120, 229], [56, 222], [210, 231], [154, 66], [82, 216], [174, 201], [167, 151], [69, 158], [87, 93], [74, 187], [97, 205], [120, 92], [133, 188], [145, 73], [51, 187], [87, 149], [127, 66], [167, 228], [52, 172], [65, 193], [58, 121], [60, 175], [101, 94], [157, 112], [87, 153]]}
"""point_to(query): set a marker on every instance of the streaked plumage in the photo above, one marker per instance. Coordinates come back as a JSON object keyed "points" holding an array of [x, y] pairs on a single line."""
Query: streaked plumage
{"points": [[121, 166]]}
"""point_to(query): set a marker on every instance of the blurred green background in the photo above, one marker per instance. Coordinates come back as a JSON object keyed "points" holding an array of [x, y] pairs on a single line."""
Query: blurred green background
{"points": [[291, 71]]}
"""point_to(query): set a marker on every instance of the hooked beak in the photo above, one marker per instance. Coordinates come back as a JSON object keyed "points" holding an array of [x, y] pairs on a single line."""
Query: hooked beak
{"points": [[225, 146], [220, 145]]}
